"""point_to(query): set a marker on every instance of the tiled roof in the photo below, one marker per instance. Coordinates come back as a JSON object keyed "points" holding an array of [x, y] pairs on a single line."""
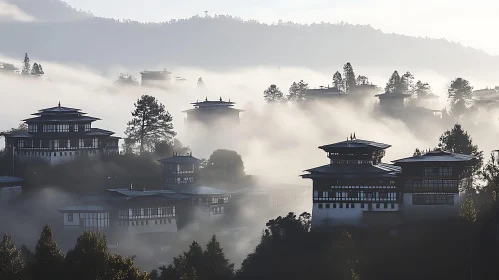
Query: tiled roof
{"points": [[353, 171], [180, 159], [355, 143], [437, 156]]}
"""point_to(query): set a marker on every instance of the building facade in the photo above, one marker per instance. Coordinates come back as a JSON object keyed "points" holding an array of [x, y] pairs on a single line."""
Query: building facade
{"points": [[210, 113], [155, 78], [357, 189], [60, 134]]}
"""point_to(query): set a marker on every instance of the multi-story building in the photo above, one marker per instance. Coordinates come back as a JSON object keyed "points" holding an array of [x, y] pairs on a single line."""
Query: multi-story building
{"points": [[60, 134], [357, 189], [212, 112], [156, 78]]}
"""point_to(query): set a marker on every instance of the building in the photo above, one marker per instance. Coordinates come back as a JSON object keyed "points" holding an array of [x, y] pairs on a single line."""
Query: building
{"points": [[325, 93], [431, 184], [155, 78], [357, 189], [8, 68], [180, 170], [210, 113], [389, 101], [10, 188], [60, 134]]}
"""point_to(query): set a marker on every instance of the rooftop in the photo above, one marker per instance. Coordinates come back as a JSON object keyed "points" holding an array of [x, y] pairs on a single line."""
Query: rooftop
{"points": [[437, 156], [392, 95], [132, 193], [9, 179], [326, 91], [155, 72], [356, 143], [180, 159], [83, 208], [353, 171]]}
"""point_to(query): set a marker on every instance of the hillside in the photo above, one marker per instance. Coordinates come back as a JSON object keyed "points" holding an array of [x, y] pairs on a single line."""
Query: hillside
{"points": [[49, 10], [225, 42]]}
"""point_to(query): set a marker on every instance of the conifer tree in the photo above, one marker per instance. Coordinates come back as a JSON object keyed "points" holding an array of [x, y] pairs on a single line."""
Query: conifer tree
{"points": [[215, 263], [273, 94], [422, 89], [349, 76], [298, 91], [338, 81], [407, 83], [460, 95], [11, 262], [394, 83], [89, 259], [26, 65], [37, 70], [48, 261]]}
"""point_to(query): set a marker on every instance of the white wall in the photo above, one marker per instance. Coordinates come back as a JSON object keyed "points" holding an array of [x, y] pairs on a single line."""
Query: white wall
{"points": [[345, 216], [425, 212], [150, 227], [75, 222]]}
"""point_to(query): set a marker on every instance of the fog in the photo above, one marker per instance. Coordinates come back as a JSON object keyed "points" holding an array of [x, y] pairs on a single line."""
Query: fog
{"points": [[277, 142]]}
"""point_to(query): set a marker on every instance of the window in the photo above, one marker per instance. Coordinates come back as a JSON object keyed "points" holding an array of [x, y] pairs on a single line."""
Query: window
{"points": [[393, 205], [385, 205], [352, 205], [32, 128], [377, 205], [328, 205], [136, 212], [348, 205], [334, 205], [362, 205], [341, 205], [70, 217], [432, 199], [87, 126], [63, 127], [320, 205]]}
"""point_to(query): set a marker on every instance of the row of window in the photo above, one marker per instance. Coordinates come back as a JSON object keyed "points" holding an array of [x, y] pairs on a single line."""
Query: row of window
{"points": [[352, 205], [144, 223], [53, 154], [212, 200], [433, 199], [181, 167], [365, 187], [339, 161], [141, 213], [59, 127], [61, 144], [438, 171], [329, 195], [180, 180], [217, 210]]}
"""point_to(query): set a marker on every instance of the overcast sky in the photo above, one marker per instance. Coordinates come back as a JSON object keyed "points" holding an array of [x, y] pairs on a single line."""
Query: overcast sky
{"points": [[472, 23]]}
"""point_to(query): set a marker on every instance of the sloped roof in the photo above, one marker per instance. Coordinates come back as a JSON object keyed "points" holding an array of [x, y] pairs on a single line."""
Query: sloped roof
{"points": [[180, 159], [353, 170], [83, 208], [437, 156], [356, 143], [392, 95], [10, 179], [200, 190], [132, 193]]}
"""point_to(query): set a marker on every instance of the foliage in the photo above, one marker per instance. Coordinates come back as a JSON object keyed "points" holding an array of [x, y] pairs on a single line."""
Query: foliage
{"points": [[48, 259], [26, 65], [417, 152], [123, 268], [349, 76], [468, 210], [37, 70], [422, 90], [125, 79], [459, 141], [394, 83], [89, 259], [151, 124], [460, 95], [407, 83], [11, 261], [200, 82], [167, 148], [362, 80], [273, 94], [223, 167], [298, 91], [338, 81], [490, 174], [216, 266]]}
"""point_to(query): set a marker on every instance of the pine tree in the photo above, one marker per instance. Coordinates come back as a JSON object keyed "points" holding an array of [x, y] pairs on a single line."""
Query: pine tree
{"points": [[48, 258], [298, 91], [338, 81], [273, 94], [11, 262], [394, 83], [37, 70], [216, 265], [122, 268], [460, 96], [89, 259], [151, 124], [422, 90], [26, 65], [125, 79], [407, 83], [349, 76]]}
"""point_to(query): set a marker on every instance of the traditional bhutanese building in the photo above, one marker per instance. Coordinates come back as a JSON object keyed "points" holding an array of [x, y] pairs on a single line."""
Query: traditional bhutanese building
{"points": [[212, 112], [155, 78], [355, 188], [325, 93], [60, 134], [390, 101], [431, 184], [10, 188]]}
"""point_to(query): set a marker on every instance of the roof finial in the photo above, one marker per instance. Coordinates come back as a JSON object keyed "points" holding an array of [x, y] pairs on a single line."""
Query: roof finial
{"points": [[220, 98], [206, 98], [351, 137], [354, 137], [131, 186], [59, 103], [229, 99]]}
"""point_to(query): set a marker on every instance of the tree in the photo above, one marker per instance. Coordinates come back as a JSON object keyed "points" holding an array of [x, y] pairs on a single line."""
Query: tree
{"points": [[200, 82], [189, 265], [273, 94], [123, 268], [89, 259], [457, 140], [468, 211], [151, 123], [125, 79], [460, 95], [223, 166], [349, 76], [394, 83], [167, 148], [490, 176], [215, 263], [48, 261], [338, 81], [417, 152], [26, 65], [422, 89], [37, 70], [407, 83], [362, 80], [298, 91], [11, 261]]}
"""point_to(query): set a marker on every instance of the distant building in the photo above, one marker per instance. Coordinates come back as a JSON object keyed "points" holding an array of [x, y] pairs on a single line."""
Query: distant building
{"points": [[488, 97], [210, 112], [60, 134], [8, 68], [324, 93], [390, 102], [357, 189], [10, 188], [155, 78]]}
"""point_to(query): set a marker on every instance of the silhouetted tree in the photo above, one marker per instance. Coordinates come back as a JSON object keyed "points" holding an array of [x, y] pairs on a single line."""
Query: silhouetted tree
{"points": [[394, 83], [151, 123], [273, 94], [407, 83], [48, 262], [216, 266], [37, 70], [125, 79], [26, 65], [349, 76], [123, 268], [200, 82], [167, 148], [460, 95], [362, 80], [298, 91], [89, 259], [11, 262], [223, 167], [189, 265], [468, 210], [422, 90], [338, 81]]}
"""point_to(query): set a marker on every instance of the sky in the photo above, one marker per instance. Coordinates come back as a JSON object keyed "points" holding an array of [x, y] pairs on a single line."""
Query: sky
{"points": [[470, 23]]}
